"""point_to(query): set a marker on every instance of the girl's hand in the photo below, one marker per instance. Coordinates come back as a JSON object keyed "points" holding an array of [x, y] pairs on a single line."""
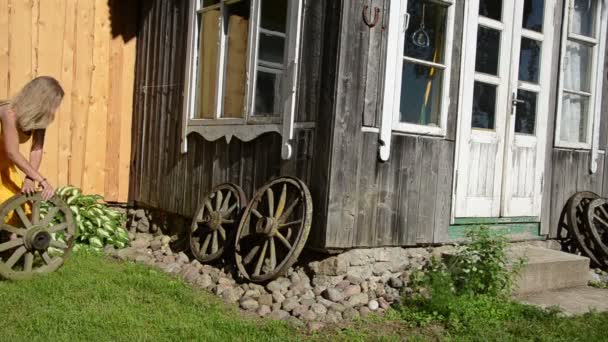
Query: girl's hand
{"points": [[29, 187], [47, 190]]}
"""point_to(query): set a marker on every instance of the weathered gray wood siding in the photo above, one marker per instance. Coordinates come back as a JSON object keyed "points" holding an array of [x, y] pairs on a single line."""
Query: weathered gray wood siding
{"points": [[407, 200], [164, 178]]}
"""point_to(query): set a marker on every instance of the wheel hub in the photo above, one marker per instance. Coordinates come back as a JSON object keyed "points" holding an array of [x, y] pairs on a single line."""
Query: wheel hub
{"points": [[37, 239], [214, 220], [267, 226]]}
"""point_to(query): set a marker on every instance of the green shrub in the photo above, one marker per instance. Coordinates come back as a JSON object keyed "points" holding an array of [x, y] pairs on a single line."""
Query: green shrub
{"points": [[97, 224]]}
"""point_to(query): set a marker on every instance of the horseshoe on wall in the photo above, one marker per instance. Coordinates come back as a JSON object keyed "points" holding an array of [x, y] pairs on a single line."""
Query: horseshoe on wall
{"points": [[366, 20]]}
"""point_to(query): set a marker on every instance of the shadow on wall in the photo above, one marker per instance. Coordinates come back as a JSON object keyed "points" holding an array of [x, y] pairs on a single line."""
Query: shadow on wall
{"points": [[122, 15]]}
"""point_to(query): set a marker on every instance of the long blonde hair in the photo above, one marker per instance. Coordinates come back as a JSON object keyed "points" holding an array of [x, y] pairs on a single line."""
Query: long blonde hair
{"points": [[36, 103]]}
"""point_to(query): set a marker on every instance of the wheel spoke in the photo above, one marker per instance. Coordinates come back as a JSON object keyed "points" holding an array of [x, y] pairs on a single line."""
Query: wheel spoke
{"points": [[219, 200], [282, 200], [12, 229], [289, 210], [289, 224], [29, 262], [602, 221], [258, 266], [15, 257], [59, 244], [289, 232], [227, 221], [58, 227], [256, 213], [270, 196], [208, 206], [36, 212], [26, 222], [226, 201], [273, 255], [603, 210], [249, 257], [206, 244], [222, 233], [47, 258], [214, 244], [49, 217], [231, 209], [10, 244], [283, 240]]}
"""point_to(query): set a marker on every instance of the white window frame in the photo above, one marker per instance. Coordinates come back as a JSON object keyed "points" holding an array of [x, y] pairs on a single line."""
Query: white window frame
{"points": [[398, 25], [595, 97], [249, 126]]}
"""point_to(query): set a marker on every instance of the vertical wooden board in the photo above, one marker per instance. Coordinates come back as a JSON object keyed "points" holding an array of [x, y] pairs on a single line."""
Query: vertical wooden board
{"points": [[94, 167], [35, 19], [413, 191], [375, 64], [367, 189], [4, 49], [405, 174], [83, 72], [51, 28], [64, 119], [443, 199], [429, 170]]}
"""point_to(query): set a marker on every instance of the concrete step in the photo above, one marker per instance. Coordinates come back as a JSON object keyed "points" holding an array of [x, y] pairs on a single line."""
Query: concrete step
{"points": [[572, 301], [548, 270]]}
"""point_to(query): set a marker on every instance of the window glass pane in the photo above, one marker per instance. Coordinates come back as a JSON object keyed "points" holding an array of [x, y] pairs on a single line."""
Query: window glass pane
{"points": [[267, 94], [583, 17], [488, 50], [271, 48], [484, 106], [525, 120], [274, 15], [577, 66], [533, 14], [236, 25], [491, 9], [208, 64], [425, 36], [421, 95], [575, 116], [529, 60]]}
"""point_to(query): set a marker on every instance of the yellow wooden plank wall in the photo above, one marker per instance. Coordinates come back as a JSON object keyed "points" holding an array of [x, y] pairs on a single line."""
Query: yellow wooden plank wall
{"points": [[89, 46]]}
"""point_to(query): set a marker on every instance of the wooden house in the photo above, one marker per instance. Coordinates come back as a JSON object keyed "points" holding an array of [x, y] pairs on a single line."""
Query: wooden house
{"points": [[409, 120]]}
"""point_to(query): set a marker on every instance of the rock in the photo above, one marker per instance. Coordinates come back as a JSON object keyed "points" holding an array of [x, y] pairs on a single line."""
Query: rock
{"points": [[156, 245], [252, 293], [140, 214], [358, 299], [309, 316], [190, 274], [127, 254], [338, 307], [168, 259], [265, 300], [373, 305], [164, 240], [350, 314], [172, 268], [225, 281], [299, 310], [326, 281], [264, 310], [308, 294], [295, 322], [439, 252], [594, 277], [204, 281], [279, 315], [353, 279], [220, 288], [333, 316], [315, 326], [278, 297], [183, 258], [249, 304], [380, 268], [364, 311], [343, 285], [319, 309], [326, 303], [290, 303], [332, 266], [333, 294], [295, 278], [143, 225], [276, 306], [140, 243], [280, 284], [232, 295], [351, 290], [395, 283], [308, 301], [383, 303]]}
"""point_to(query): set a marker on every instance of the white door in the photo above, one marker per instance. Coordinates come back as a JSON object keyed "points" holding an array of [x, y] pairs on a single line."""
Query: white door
{"points": [[503, 123]]}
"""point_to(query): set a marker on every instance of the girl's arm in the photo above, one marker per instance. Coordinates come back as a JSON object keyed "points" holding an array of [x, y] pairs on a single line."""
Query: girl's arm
{"points": [[11, 145], [37, 148]]}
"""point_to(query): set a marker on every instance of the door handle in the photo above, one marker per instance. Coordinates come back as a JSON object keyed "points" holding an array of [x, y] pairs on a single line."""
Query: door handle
{"points": [[515, 102]]}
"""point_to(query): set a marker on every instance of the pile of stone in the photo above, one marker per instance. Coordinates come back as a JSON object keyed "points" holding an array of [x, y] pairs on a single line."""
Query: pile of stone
{"points": [[344, 287]]}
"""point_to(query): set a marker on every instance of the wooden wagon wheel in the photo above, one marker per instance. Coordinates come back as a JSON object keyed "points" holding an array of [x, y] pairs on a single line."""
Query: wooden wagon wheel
{"points": [[597, 221], [577, 218], [34, 243], [214, 223], [274, 229]]}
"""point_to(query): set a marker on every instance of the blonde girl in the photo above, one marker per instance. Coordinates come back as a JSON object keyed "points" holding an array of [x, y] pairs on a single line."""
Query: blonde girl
{"points": [[26, 116]]}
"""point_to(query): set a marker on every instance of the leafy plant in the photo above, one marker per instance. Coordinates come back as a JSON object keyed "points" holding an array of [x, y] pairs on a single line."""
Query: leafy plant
{"points": [[97, 224]]}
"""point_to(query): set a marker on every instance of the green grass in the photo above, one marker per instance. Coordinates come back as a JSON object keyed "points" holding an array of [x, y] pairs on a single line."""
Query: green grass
{"points": [[95, 299]]}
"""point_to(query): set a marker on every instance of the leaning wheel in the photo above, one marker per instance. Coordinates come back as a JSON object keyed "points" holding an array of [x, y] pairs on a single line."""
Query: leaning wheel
{"points": [[34, 243], [272, 233], [214, 222], [597, 221], [577, 218]]}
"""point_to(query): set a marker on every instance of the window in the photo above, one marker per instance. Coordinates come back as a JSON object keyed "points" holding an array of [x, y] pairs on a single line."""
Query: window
{"points": [[580, 90], [417, 97], [242, 70]]}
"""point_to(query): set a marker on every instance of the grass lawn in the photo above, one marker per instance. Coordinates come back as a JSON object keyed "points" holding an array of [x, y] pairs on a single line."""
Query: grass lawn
{"points": [[94, 298]]}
